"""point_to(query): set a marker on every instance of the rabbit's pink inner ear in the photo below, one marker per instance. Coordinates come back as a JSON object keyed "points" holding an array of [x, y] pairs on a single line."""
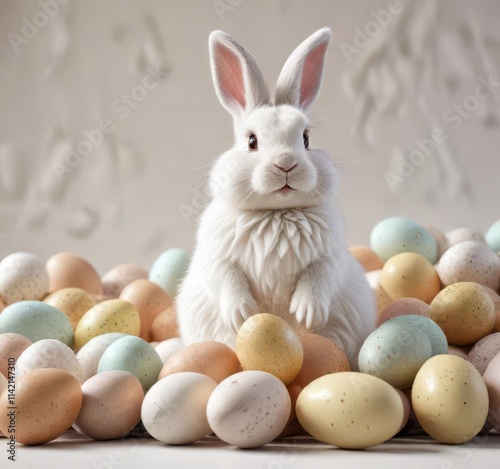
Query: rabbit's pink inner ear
{"points": [[230, 76], [312, 74]]}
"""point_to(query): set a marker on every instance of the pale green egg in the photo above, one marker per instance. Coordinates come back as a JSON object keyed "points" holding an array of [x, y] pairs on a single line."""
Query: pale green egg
{"points": [[169, 270]]}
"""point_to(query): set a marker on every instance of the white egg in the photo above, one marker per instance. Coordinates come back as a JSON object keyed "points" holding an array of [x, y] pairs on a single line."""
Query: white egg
{"points": [[174, 410], [166, 348], [249, 409]]}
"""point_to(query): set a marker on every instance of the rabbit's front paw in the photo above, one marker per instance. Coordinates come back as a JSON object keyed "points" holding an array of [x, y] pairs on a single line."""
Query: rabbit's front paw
{"points": [[236, 309], [309, 308]]}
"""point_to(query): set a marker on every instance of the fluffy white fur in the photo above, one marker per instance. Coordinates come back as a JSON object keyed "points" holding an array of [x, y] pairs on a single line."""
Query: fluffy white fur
{"points": [[262, 246]]}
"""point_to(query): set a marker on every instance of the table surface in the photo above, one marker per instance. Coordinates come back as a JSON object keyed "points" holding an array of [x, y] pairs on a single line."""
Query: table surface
{"points": [[76, 451]]}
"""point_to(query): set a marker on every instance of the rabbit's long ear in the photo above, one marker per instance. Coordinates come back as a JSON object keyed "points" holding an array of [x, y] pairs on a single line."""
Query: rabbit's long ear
{"points": [[300, 79], [238, 79]]}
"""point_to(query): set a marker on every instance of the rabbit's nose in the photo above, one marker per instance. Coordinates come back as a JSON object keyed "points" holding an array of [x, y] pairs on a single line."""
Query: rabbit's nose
{"points": [[285, 162], [285, 170]]}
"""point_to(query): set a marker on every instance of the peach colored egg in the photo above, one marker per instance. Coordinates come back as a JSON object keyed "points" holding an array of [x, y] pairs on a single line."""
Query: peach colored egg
{"points": [[492, 380], [402, 307], [464, 311], [484, 350], [458, 351], [165, 325], [111, 405], [470, 261], [213, 359], [321, 357], [367, 257], [69, 270], [410, 275], [149, 299], [12, 345], [47, 404], [2, 304], [73, 302], [293, 427], [406, 408], [116, 279]]}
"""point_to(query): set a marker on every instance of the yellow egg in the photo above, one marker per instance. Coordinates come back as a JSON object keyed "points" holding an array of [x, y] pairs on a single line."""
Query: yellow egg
{"points": [[268, 343], [73, 302], [350, 410], [382, 299], [464, 311], [410, 275], [109, 316], [450, 399]]}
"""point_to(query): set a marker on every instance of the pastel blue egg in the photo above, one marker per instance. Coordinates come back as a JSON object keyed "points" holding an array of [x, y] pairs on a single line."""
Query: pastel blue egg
{"points": [[135, 355], [36, 320], [429, 327], [169, 270], [492, 236], [400, 234], [395, 352]]}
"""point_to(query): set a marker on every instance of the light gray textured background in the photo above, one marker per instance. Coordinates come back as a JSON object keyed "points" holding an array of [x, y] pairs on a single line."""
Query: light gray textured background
{"points": [[125, 201]]}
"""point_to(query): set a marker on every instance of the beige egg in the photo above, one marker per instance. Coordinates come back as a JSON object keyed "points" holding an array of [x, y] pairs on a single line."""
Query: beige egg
{"points": [[464, 311], [165, 325], [166, 348], [441, 240], [73, 302], [2, 304], [116, 279], [410, 275], [470, 261], [406, 408], [12, 345], [47, 404], [268, 343], [111, 405], [321, 357], [149, 299], [350, 410], [108, 316], [484, 350], [496, 301], [3, 387], [213, 359], [459, 235], [69, 270], [382, 298], [402, 307], [450, 399], [367, 257], [492, 380]]}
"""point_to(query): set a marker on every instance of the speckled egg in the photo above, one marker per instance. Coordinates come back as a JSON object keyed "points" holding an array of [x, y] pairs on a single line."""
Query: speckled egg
{"points": [[470, 261], [350, 410], [410, 275], [249, 409], [22, 277], [450, 399], [166, 348], [382, 299], [73, 302], [395, 352], [495, 297], [210, 358], [111, 405], [165, 325], [367, 257], [135, 355], [492, 237], [149, 299], [11, 347], [48, 402], [174, 410], [491, 378], [48, 353], [169, 270], [400, 234], [117, 278], [484, 350], [36, 321], [268, 343], [321, 357], [459, 235], [464, 311], [90, 354], [403, 306], [440, 238], [70, 270], [108, 316]]}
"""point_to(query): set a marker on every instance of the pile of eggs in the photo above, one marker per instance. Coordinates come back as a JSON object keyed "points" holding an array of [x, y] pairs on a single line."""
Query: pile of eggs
{"points": [[104, 356]]}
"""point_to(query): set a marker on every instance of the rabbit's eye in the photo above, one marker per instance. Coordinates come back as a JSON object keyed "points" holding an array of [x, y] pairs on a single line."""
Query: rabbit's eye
{"points": [[252, 142], [306, 140]]}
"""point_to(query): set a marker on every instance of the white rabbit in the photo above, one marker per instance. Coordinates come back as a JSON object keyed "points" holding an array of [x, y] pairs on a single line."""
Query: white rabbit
{"points": [[271, 238]]}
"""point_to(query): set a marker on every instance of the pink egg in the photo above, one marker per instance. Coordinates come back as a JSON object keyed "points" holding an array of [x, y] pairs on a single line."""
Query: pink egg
{"points": [[492, 379], [484, 350], [402, 307], [458, 351]]}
